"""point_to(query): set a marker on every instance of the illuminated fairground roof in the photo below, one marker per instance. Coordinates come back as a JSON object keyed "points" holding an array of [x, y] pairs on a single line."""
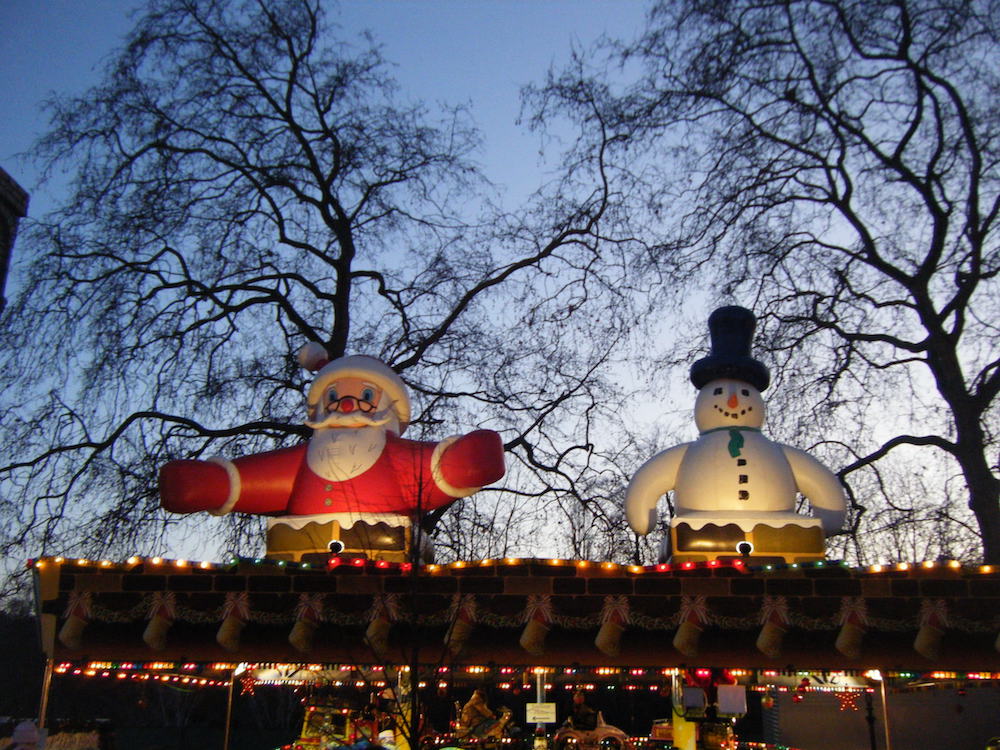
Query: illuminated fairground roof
{"points": [[517, 614]]}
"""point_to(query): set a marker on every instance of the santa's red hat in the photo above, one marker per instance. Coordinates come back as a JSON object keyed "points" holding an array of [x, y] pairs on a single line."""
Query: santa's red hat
{"points": [[394, 394]]}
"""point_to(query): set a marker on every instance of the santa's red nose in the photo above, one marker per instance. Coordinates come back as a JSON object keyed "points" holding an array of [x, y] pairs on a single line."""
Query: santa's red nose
{"points": [[347, 405], [733, 402]]}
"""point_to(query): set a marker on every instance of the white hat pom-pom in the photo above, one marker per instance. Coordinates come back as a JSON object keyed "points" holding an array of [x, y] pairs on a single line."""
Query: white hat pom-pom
{"points": [[313, 356]]}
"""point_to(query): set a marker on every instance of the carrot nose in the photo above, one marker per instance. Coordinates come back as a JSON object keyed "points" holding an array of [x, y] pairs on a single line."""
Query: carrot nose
{"points": [[733, 402]]}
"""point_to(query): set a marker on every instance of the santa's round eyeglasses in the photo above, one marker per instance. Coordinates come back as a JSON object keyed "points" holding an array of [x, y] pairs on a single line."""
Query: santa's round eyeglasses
{"points": [[362, 404]]}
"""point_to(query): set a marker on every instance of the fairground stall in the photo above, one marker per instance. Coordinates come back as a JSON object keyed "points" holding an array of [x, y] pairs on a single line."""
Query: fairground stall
{"points": [[744, 634], [706, 641]]}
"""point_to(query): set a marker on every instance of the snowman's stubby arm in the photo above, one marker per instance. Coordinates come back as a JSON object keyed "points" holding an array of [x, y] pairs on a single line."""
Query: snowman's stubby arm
{"points": [[654, 478], [821, 486]]}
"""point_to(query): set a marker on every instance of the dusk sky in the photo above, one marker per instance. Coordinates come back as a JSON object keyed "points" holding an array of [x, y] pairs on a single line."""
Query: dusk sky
{"points": [[476, 51]]}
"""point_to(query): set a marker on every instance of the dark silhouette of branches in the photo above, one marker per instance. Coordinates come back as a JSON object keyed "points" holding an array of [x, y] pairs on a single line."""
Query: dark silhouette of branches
{"points": [[834, 164], [245, 182]]}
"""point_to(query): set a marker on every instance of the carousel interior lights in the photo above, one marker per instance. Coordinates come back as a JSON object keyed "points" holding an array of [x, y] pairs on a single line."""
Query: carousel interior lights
{"points": [[765, 682]]}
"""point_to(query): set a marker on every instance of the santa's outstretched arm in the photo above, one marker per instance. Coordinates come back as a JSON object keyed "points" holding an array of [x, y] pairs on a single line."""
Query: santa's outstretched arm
{"points": [[470, 462], [260, 483], [654, 478], [822, 488]]}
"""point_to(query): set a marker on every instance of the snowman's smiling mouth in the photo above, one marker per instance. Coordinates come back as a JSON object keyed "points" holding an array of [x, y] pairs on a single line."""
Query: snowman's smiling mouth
{"points": [[733, 414]]}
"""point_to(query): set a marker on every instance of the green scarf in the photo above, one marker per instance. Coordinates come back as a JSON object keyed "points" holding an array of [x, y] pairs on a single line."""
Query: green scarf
{"points": [[735, 438]]}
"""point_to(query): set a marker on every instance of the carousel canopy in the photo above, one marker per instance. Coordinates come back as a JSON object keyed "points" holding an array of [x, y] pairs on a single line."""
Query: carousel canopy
{"points": [[523, 613]]}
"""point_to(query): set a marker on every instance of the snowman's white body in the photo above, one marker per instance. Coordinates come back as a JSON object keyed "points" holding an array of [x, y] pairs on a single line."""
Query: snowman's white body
{"points": [[709, 479], [732, 474]]}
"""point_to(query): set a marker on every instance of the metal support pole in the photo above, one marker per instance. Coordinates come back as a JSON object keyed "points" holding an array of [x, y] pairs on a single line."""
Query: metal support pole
{"points": [[229, 710], [885, 717], [540, 694], [43, 705]]}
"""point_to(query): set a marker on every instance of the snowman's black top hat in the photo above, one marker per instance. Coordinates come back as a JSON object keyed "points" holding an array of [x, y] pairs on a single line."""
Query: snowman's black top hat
{"points": [[731, 329]]}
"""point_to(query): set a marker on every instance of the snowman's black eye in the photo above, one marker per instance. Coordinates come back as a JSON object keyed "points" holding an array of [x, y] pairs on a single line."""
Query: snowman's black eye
{"points": [[745, 392], [718, 392]]}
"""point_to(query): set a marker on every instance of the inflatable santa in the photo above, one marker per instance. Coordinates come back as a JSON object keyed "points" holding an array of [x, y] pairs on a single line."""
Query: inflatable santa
{"points": [[356, 485], [735, 491]]}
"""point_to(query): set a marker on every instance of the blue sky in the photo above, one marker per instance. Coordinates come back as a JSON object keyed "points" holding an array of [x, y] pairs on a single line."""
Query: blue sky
{"points": [[475, 51]]}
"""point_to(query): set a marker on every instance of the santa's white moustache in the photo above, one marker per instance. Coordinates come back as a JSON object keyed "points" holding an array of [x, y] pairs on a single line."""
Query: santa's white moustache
{"points": [[354, 419]]}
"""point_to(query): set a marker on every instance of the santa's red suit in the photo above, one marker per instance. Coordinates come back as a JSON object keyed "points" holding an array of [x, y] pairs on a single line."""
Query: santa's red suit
{"points": [[405, 477], [355, 463]]}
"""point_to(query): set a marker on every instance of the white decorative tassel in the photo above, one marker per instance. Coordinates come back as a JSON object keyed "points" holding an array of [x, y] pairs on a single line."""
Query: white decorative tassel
{"points": [[308, 615], [694, 617], [614, 618], [235, 616], [162, 613], [538, 619], [853, 626], [77, 616], [774, 616], [933, 623], [463, 622]]}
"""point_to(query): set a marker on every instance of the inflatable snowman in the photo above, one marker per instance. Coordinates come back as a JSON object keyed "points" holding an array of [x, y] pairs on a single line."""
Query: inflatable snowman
{"points": [[735, 490]]}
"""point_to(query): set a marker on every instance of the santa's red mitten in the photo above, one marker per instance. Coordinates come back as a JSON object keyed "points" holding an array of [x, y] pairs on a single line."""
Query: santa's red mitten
{"points": [[474, 460], [189, 486]]}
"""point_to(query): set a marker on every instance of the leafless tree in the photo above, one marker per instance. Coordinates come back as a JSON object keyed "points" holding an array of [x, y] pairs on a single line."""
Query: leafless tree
{"points": [[835, 165], [246, 182]]}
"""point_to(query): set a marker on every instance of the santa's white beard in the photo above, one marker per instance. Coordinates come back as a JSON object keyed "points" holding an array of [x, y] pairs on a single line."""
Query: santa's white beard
{"points": [[342, 453], [352, 419]]}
